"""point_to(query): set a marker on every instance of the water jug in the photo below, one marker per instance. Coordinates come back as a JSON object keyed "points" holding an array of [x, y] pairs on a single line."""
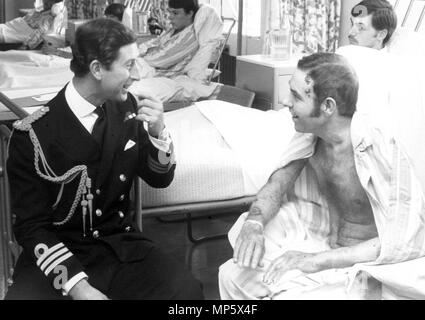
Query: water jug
{"points": [[281, 39]]}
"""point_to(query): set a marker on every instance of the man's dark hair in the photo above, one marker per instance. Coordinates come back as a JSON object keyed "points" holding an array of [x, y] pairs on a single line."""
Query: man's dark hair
{"points": [[47, 4], [187, 5], [98, 39], [116, 10], [333, 77], [383, 15]]}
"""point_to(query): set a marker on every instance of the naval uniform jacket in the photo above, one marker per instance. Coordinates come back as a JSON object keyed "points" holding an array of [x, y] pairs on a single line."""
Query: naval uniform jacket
{"points": [[126, 152]]}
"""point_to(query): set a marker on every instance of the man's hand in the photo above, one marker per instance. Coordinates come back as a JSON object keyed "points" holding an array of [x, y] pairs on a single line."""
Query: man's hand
{"points": [[249, 247], [84, 291], [151, 110], [305, 262]]}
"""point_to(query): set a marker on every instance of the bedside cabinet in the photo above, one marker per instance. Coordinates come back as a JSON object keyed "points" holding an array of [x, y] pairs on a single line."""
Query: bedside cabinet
{"points": [[268, 78]]}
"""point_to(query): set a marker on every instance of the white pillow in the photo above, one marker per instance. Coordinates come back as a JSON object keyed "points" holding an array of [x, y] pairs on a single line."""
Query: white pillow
{"points": [[406, 42], [392, 94], [373, 72]]}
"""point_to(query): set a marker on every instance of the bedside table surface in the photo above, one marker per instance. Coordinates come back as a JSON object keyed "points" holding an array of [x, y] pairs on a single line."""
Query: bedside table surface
{"points": [[267, 61]]}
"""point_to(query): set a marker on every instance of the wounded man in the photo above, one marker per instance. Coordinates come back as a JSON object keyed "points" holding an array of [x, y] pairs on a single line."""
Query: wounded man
{"points": [[343, 216]]}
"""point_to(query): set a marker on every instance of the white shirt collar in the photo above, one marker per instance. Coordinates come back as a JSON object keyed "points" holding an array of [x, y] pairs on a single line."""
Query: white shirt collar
{"points": [[79, 106]]}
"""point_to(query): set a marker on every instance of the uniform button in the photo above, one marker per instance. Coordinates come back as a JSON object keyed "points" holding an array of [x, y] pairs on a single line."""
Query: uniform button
{"points": [[95, 234], [122, 197], [98, 212], [121, 214], [123, 178], [98, 192], [127, 229]]}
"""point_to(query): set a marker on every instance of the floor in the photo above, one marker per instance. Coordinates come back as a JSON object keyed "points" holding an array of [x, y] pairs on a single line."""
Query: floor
{"points": [[202, 259]]}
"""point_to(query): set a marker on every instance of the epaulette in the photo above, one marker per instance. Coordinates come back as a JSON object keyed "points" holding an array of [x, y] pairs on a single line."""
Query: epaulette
{"points": [[25, 124]]}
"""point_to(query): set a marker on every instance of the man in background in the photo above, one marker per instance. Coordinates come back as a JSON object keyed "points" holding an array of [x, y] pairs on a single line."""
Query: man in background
{"points": [[115, 11], [169, 53], [372, 23], [30, 29]]}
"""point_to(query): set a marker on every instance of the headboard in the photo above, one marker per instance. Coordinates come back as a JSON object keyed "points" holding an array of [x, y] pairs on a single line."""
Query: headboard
{"points": [[411, 14]]}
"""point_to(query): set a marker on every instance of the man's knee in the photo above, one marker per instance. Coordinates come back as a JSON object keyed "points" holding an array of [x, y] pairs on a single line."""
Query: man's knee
{"points": [[226, 274]]}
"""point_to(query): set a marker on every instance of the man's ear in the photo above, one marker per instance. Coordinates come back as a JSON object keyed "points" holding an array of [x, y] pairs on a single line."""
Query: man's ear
{"points": [[382, 34], [96, 69], [329, 106]]}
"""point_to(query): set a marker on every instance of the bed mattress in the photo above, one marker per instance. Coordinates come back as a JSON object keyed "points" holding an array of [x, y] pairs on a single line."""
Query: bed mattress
{"points": [[205, 171]]}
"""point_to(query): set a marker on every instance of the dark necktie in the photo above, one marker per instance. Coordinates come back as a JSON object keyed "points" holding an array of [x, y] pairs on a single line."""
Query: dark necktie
{"points": [[99, 125]]}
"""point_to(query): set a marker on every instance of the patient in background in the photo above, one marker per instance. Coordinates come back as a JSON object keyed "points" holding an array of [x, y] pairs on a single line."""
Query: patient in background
{"points": [[372, 23], [168, 54], [115, 11], [30, 29]]}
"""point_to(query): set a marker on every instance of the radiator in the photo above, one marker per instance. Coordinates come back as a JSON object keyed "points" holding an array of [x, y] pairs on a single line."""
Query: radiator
{"points": [[228, 68]]}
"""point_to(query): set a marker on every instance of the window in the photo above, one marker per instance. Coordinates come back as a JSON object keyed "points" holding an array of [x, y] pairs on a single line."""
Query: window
{"points": [[252, 14]]}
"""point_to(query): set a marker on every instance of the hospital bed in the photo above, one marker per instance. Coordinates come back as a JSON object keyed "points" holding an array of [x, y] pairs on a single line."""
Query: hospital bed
{"points": [[22, 69]]}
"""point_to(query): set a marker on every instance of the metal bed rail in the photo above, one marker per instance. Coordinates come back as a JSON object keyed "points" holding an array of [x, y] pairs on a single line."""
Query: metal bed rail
{"points": [[10, 250], [193, 211]]}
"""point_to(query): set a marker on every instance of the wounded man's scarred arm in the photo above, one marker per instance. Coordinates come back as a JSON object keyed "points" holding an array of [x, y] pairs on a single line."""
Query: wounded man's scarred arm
{"points": [[348, 256], [314, 262], [270, 197]]}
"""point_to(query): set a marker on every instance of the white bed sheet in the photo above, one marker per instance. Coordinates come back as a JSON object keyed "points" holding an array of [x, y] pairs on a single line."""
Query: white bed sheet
{"points": [[258, 138], [223, 151], [207, 169], [32, 69]]}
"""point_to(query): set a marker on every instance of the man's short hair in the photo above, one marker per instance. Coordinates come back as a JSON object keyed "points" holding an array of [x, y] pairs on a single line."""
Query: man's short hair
{"points": [[98, 39], [383, 15], [47, 4], [333, 77], [116, 10], [187, 5]]}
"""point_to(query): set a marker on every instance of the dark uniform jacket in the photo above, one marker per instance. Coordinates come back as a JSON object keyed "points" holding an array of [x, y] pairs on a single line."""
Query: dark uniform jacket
{"points": [[52, 238]]}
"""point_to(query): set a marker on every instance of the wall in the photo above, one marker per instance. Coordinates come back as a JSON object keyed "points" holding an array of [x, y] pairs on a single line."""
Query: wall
{"points": [[12, 7], [346, 6]]}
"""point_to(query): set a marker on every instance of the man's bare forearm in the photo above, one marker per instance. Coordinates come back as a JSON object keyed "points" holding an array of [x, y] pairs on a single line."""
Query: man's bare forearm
{"points": [[348, 256], [270, 197]]}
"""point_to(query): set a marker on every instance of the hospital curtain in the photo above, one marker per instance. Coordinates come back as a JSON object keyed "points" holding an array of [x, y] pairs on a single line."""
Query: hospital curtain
{"points": [[156, 8], [315, 23], [160, 12], [86, 9]]}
